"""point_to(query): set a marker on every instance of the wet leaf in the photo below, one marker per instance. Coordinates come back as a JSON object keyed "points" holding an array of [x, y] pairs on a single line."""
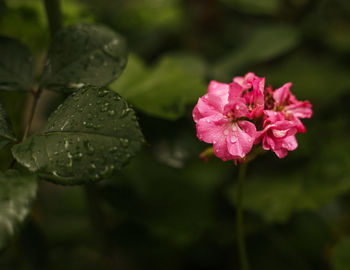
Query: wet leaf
{"points": [[84, 54], [340, 255], [16, 67], [165, 90], [17, 191], [6, 133], [265, 43], [89, 137]]}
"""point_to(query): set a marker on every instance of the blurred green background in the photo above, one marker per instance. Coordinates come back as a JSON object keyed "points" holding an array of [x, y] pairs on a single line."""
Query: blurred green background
{"points": [[167, 209]]}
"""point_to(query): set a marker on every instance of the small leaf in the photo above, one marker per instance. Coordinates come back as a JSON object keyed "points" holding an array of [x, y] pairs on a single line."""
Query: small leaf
{"points": [[340, 255], [84, 54], [264, 44], [16, 67], [91, 135], [6, 133], [165, 90], [17, 191]]}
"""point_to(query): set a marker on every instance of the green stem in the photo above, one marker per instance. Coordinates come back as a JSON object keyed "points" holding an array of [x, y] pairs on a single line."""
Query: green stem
{"points": [[240, 231], [54, 15]]}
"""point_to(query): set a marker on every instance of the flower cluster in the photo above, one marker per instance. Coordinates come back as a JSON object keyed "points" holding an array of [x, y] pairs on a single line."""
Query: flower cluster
{"points": [[236, 116]]}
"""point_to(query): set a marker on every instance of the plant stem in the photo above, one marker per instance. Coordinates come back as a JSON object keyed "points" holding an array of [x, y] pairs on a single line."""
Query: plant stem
{"points": [[36, 96], [240, 231], [54, 15]]}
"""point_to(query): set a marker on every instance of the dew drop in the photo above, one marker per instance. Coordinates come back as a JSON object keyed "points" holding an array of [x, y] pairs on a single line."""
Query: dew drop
{"points": [[124, 142], [102, 93], [234, 128], [104, 107], [92, 167], [233, 139]]}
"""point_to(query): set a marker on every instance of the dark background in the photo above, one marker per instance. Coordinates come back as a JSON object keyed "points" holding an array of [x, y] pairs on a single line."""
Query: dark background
{"points": [[167, 209]]}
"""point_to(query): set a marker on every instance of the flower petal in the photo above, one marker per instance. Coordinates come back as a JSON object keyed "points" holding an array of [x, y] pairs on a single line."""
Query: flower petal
{"points": [[203, 109], [236, 107], [278, 135], [235, 90], [221, 151], [301, 109], [255, 98], [247, 81], [218, 95], [299, 125], [281, 152], [241, 138], [281, 95], [211, 129], [290, 143]]}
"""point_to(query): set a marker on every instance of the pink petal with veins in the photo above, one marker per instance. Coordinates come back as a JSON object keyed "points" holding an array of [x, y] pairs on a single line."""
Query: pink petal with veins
{"points": [[241, 138], [203, 109], [300, 109], [218, 94], [211, 129]]}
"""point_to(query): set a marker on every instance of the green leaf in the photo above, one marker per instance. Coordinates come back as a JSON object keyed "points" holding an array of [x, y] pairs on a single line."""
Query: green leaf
{"points": [[84, 54], [16, 67], [165, 90], [6, 133], [264, 44], [16, 195], [90, 136], [340, 255]]}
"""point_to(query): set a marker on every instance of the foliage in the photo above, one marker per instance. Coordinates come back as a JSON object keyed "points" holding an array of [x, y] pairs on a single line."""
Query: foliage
{"points": [[81, 55], [17, 192], [89, 136], [165, 90]]}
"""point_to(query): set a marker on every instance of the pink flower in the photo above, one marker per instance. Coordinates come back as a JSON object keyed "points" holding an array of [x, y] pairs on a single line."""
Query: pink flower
{"points": [[278, 133], [234, 117], [292, 108], [221, 119], [254, 98]]}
